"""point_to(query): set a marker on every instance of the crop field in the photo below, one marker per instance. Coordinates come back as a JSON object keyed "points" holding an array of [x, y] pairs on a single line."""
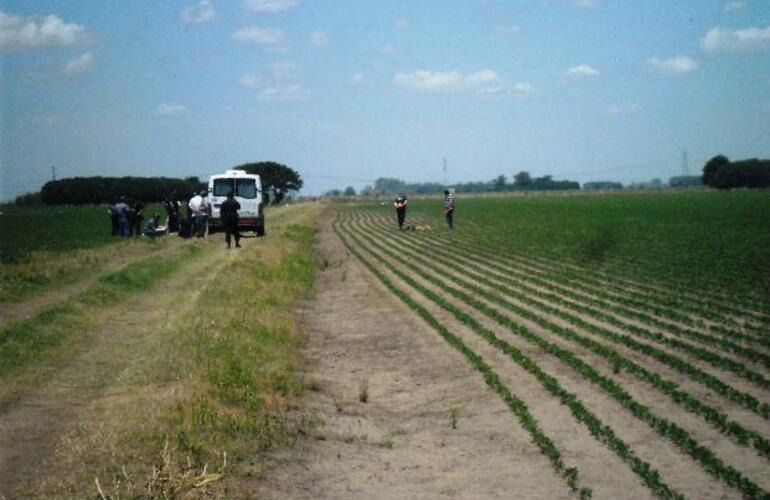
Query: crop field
{"points": [[54, 229], [628, 334]]}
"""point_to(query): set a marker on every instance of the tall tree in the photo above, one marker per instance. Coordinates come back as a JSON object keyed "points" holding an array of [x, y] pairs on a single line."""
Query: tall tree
{"points": [[274, 175], [522, 179], [499, 182], [711, 167]]}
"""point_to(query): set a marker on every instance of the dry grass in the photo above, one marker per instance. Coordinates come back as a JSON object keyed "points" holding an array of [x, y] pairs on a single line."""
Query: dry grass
{"points": [[208, 392]]}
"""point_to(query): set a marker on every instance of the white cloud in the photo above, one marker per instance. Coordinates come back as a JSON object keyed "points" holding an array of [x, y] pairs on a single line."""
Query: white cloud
{"points": [[522, 89], [319, 39], [745, 40], [168, 109], [260, 36], [280, 85], [201, 12], [400, 24], [18, 32], [356, 78], [250, 81], [428, 81], [483, 82], [582, 70], [271, 6], [735, 5], [507, 29], [624, 109], [292, 92], [79, 65], [674, 65], [389, 50], [586, 4]]}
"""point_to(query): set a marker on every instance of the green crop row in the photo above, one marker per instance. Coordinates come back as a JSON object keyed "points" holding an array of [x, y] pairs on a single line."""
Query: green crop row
{"points": [[601, 431], [743, 398], [585, 284], [582, 280], [719, 420], [664, 427], [714, 359], [517, 406]]}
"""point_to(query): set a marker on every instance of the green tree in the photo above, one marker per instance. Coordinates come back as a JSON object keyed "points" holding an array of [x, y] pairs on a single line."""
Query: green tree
{"points": [[710, 169], [349, 191], [499, 182], [275, 176], [522, 179]]}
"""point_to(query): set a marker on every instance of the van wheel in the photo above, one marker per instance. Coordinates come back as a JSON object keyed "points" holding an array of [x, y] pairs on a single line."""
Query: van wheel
{"points": [[260, 230]]}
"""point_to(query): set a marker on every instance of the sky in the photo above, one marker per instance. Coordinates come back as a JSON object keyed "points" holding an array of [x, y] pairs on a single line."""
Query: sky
{"points": [[345, 92]]}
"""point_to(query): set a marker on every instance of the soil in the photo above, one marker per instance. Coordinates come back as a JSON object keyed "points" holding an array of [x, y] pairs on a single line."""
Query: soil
{"points": [[403, 415]]}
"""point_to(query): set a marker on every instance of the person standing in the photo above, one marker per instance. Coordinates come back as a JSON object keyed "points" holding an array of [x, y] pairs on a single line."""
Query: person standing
{"points": [[199, 208], [400, 205], [229, 213], [449, 208], [136, 218], [122, 209], [172, 209]]}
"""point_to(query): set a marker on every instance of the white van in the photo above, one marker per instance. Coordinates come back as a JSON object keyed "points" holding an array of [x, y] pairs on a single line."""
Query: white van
{"points": [[248, 192]]}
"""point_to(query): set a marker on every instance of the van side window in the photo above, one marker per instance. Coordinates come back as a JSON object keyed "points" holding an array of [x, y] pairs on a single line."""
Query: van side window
{"points": [[246, 188]]}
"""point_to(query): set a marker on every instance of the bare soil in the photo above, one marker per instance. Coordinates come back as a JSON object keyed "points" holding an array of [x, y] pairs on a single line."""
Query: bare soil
{"points": [[402, 414]]}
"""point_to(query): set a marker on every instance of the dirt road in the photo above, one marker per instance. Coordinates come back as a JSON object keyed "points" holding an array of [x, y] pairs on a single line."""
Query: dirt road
{"points": [[403, 415]]}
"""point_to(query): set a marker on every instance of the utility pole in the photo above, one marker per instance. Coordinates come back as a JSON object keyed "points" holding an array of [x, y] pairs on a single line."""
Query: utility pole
{"points": [[445, 172], [53, 172], [685, 166]]}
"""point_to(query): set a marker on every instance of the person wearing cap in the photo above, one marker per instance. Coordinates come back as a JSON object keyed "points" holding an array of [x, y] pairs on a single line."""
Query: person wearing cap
{"points": [[199, 207], [449, 208], [229, 213], [400, 205]]}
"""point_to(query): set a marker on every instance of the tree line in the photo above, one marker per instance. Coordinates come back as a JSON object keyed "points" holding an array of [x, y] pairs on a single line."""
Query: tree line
{"points": [[719, 172], [277, 180], [98, 190]]}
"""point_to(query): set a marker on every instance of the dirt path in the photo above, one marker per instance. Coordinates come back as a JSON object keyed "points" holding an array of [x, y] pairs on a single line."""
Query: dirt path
{"points": [[58, 293], [30, 427], [387, 389]]}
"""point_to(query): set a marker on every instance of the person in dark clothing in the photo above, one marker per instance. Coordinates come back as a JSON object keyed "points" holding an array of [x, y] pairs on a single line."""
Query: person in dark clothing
{"points": [[172, 209], [449, 208], [136, 218], [229, 213], [400, 205]]}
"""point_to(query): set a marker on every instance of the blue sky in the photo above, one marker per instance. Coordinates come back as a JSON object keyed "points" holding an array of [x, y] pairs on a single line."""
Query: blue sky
{"points": [[346, 92]]}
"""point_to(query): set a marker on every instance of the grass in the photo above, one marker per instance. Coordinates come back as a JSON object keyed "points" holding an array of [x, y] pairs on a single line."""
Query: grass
{"points": [[218, 379], [55, 229], [35, 339], [44, 247]]}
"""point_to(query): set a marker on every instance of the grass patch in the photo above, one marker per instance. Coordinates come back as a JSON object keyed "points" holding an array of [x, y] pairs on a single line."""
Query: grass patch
{"points": [[37, 339], [210, 390]]}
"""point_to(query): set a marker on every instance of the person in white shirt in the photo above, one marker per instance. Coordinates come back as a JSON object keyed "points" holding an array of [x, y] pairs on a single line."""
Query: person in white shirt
{"points": [[199, 207]]}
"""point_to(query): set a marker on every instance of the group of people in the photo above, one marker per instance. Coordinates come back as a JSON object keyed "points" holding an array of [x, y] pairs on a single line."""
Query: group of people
{"points": [[127, 218], [449, 209], [195, 221]]}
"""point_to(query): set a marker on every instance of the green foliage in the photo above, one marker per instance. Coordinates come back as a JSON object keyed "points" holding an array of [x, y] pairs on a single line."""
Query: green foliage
{"points": [[96, 190], [53, 229], [274, 175]]}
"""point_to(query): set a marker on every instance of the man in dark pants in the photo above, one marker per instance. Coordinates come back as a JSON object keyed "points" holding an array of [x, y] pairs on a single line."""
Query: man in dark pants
{"points": [[449, 208], [400, 205], [229, 213]]}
